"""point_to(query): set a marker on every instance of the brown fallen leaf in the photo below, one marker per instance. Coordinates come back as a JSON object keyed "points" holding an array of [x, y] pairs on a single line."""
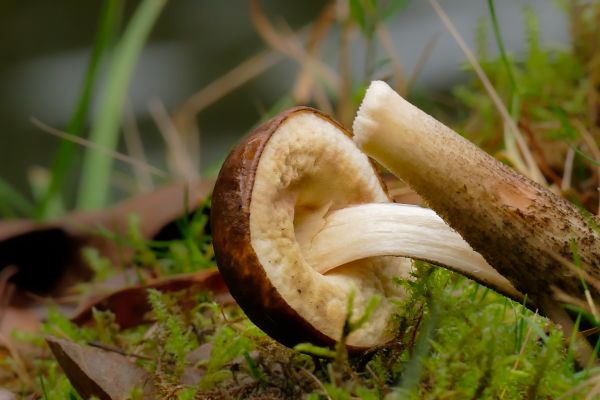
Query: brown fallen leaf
{"points": [[7, 395], [44, 252], [103, 374], [130, 305], [20, 319]]}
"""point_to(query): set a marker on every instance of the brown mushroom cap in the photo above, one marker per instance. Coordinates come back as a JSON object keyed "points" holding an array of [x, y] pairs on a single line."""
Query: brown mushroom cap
{"points": [[270, 199]]}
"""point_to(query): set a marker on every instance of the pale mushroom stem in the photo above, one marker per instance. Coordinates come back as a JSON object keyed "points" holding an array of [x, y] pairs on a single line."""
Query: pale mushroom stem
{"points": [[370, 230], [517, 225]]}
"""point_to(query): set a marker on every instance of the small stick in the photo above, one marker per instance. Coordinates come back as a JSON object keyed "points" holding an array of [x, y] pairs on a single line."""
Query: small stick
{"points": [[115, 349]]}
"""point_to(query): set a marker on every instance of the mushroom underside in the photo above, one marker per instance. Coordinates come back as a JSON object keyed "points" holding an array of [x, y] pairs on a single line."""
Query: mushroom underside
{"points": [[301, 220], [309, 168]]}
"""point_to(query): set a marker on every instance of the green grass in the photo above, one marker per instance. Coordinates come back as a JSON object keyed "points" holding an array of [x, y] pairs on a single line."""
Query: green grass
{"points": [[63, 160], [95, 180], [13, 202]]}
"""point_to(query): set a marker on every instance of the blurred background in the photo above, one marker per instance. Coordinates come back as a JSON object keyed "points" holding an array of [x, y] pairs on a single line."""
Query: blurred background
{"points": [[185, 70]]}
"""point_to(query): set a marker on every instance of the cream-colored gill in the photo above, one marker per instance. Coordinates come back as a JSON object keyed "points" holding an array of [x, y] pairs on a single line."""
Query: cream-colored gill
{"points": [[380, 229]]}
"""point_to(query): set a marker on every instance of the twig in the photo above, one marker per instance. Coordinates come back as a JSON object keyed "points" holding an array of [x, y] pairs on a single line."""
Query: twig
{"points": [[86, 143], [575, 269], [180, 160], [568, 170], [539, 152], [594, 380], [305, 77], [591, 143], [18, 362], [288, 46], [422, 60], [345, 111], [220, 87], [523, 347], [115, 349], [398, 71], [135, 148], [317, 381], [583, 351]]}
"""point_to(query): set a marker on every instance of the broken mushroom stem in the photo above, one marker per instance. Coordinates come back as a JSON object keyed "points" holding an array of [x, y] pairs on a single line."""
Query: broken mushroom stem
{"points": [[403, 230]]}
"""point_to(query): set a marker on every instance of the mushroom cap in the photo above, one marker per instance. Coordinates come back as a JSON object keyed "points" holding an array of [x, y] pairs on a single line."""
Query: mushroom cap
{"points": [[269, 201]]}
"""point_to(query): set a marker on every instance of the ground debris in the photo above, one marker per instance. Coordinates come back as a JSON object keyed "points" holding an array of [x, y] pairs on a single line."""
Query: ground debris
{"points": [[130, 305], [103, 374]]}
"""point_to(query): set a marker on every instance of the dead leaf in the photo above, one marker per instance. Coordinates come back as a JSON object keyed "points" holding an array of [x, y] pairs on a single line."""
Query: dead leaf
{"points": [[130, 305], [103, 374], [44, 252], [20, 319], [7, 395]]}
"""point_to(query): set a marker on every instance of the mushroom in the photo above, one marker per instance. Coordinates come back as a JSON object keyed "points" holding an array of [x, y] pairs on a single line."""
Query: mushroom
{"points": [[525, 231], [300, 219]]}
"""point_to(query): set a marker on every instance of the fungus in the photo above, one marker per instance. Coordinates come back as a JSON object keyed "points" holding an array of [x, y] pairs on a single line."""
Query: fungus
{"points": [[300, 219], [522, 229]]}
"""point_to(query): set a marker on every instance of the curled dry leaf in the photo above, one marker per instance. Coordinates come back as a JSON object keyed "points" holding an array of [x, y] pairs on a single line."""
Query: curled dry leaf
{"points": [[99, 373], [7, 395], [130, 305], [21, 319], [44, 252]]}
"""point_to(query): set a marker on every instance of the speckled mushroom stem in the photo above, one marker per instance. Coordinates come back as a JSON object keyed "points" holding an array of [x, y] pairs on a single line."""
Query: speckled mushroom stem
{"points": [[517, 225]]}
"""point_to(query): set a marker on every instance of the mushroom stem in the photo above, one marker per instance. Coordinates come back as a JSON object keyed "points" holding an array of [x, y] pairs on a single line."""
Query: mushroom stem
{"points": [[517, 225], [380, 229]]}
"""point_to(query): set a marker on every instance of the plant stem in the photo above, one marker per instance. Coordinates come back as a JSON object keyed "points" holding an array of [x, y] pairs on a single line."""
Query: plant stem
{"points": [[108, 22], [500, 43], [95, 176]]}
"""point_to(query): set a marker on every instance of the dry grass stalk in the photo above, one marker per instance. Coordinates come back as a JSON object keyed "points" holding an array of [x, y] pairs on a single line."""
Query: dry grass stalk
{"points": [[135, 148], [568, 170], [516, 146], [422, 60], [181, 163], [289, 46], [184, 117], [305, 79], [91, 145], [397, 70]]}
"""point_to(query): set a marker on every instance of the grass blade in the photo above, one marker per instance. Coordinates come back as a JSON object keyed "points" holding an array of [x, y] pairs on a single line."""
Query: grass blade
{"points": [[95, 177], [39, 180], [500, 44], [13, 199], [108, 22]]}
